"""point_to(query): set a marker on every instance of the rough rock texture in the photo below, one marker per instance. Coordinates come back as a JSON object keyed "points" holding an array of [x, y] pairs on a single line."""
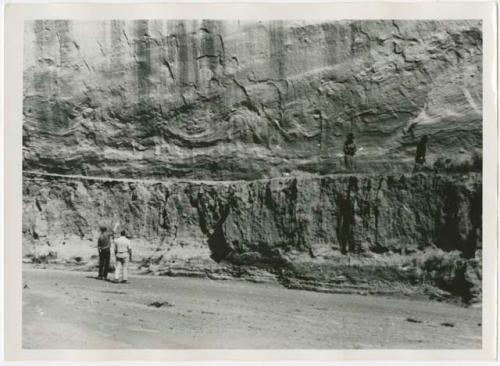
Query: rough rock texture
{"points": [[257, 112], [239, 100], [400, 229]]}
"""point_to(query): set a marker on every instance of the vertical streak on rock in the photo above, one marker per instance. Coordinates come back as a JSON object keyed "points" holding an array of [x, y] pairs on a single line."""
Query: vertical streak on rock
{"points": [[143, 54], [117, 47], [62, 33], [38, 28], [156, 59], [332, 41], [165, 66], [209, 54], [117, 54], [42, 80], [194, 54], [172, 51], [60, 109], [277, 49], [183, 75]]}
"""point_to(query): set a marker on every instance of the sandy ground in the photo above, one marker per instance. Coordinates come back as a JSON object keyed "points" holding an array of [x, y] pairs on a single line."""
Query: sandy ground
{"points": [[65, 309]]}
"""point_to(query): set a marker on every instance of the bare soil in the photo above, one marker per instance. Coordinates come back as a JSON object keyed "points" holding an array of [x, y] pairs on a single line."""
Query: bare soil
{"points": [[66, 309]]}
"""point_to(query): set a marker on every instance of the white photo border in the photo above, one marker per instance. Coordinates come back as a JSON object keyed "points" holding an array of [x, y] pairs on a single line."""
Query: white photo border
{"points": [[17, 14]]}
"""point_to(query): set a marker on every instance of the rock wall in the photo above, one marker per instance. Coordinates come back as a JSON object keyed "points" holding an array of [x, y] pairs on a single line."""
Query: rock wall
{"points": [[230, 136], [267, 224], [229, 100]]}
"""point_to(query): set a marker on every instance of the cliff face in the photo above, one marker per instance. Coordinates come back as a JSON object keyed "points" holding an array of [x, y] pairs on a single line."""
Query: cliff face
{"points": [[255, 107], [239, 100], [387, 222]]}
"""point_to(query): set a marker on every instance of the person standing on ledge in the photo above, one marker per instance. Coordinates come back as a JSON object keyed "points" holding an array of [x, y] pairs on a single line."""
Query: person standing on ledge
{"points": [[349, 152], [420, 155], [123, 254]]}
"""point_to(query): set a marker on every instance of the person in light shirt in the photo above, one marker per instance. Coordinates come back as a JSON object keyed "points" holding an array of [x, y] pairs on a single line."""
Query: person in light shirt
{"points": [[123, 254]]}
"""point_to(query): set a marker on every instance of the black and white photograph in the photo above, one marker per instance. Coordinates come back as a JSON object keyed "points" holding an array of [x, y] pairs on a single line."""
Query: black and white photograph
{"points": [[252, 184]]}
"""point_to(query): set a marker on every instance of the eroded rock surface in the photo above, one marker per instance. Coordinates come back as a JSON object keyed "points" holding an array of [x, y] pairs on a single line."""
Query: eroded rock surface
{"points": [[246, 100], [304, 231], [257, 113]]}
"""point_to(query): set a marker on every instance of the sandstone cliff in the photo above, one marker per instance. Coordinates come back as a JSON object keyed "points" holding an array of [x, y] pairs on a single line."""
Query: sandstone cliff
{"points": [[246, 100], [230, 136]]}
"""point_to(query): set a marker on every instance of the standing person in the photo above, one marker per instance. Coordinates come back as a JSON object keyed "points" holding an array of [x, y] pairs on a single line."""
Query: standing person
{"points": [[420, 154], [349, 152], [123, 254], [346, 219], [104, 249]]}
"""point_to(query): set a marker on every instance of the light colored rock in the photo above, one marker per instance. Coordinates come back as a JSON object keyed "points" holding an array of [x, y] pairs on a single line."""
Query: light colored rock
{"points": [[243, 100]]}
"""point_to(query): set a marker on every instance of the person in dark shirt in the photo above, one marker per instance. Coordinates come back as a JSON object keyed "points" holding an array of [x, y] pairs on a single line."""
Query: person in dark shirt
{"points": [[349, 152], [104, 248], [421, 149]]}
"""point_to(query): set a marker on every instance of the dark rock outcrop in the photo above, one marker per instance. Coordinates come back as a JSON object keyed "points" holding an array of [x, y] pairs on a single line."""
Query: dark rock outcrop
{"points": [[277, 225]]}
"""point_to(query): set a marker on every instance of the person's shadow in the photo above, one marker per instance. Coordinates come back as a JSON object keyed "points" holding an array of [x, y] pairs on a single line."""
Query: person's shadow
{"points": [[93, 277]]}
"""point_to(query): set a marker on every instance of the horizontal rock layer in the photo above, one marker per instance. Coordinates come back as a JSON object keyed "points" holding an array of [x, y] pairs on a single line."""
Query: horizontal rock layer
{"points": [[245, 100], [269, 224]]}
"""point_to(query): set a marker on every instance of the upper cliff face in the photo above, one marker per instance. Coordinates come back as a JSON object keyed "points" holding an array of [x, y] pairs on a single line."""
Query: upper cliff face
{"points": [[212, 99]]}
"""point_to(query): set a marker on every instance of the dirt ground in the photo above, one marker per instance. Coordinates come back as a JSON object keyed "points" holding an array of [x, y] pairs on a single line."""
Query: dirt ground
{"points": [[66, 309]]}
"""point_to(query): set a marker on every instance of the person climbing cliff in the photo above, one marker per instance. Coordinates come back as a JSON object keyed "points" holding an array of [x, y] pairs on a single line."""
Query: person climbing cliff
{"points": [[349, 152], [123, 254], [420, 153]]}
